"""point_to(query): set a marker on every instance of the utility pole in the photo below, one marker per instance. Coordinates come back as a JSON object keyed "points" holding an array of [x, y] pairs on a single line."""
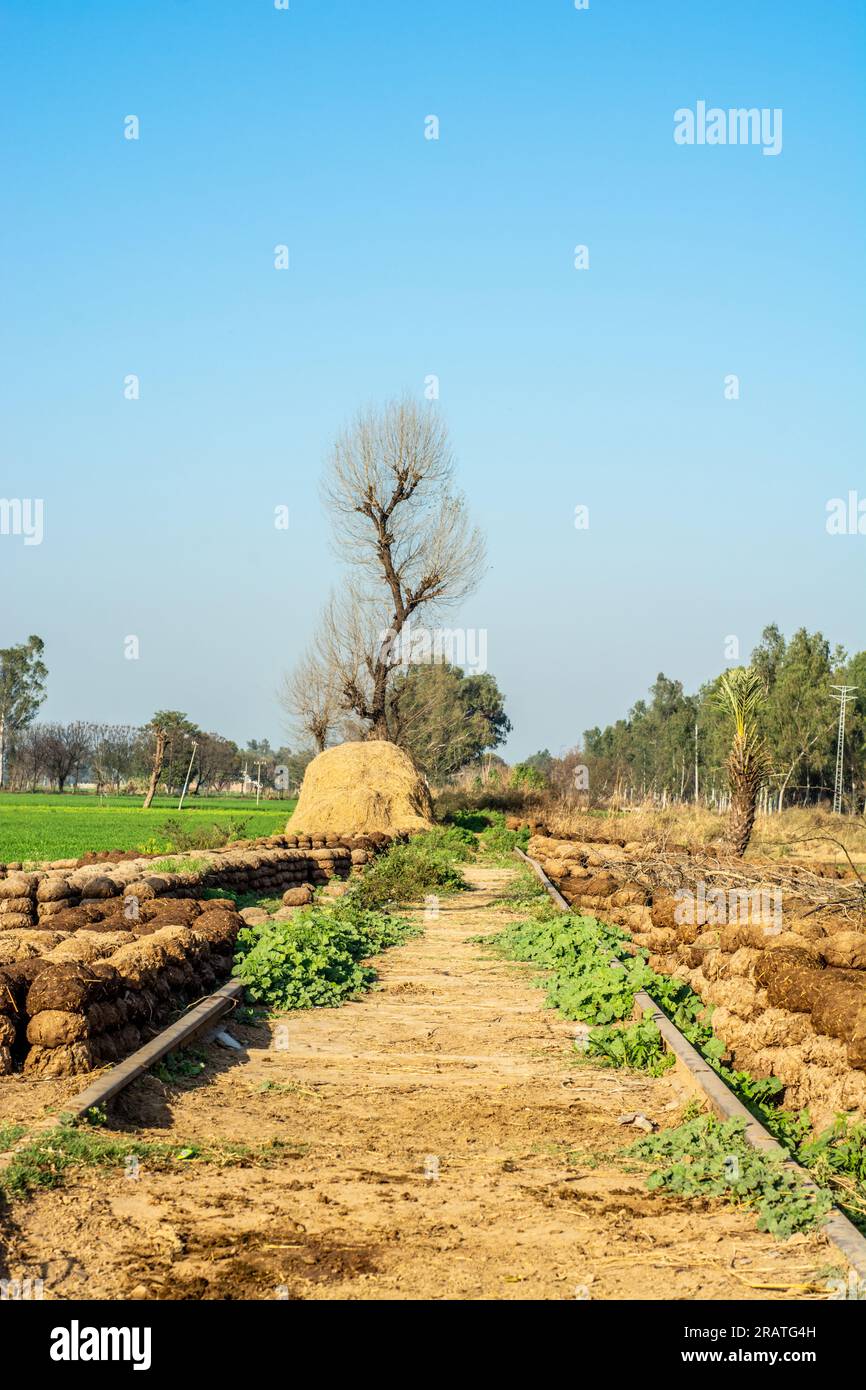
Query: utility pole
{"points": [[845, 693], [697, 789], [188, 771], [258, 780]]}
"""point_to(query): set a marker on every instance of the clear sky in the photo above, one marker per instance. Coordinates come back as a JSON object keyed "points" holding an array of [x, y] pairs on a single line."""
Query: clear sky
{"points": [[409, 257]]}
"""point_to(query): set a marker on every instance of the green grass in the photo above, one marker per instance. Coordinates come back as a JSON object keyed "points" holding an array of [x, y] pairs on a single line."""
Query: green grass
{"points": [[9, 1135], [196, 865], [49, 1158], [37, 825]]}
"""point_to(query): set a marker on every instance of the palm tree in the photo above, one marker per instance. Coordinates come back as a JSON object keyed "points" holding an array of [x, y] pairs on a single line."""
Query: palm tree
{"points": [[742, 690]]}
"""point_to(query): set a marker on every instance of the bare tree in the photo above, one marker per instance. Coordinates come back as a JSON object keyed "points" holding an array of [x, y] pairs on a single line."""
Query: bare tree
{"points": [[159, 740], [28, 757], [310, 697], [114, 748], [67, 746], [404, 531]]}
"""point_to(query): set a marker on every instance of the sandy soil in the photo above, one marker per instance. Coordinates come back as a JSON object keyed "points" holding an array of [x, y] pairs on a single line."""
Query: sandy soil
{"points": [[443, 1141]]}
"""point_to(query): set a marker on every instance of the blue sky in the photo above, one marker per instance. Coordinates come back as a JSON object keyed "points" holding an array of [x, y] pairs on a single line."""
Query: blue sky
{"points": [[602, 387]]}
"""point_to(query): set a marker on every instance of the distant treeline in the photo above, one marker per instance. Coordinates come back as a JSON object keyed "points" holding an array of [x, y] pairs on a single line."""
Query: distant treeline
{"points": [[675, 745], [119, 757]]}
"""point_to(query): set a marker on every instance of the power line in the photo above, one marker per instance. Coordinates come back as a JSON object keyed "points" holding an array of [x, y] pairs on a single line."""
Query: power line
{"points": [[845, 693]]}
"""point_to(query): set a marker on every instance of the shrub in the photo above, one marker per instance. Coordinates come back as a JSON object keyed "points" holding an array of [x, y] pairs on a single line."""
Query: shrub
{"points": [[496, 844], [174, 837], [409, 871], [526, 775]]}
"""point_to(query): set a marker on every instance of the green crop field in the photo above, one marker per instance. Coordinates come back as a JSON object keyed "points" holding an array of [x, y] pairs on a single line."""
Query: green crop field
{"points": [[36, 826]]}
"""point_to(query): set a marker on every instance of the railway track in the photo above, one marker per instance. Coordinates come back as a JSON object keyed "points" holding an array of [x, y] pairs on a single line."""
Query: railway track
{"points": [[175, 1035], [691, 1068], [704, 1081]]}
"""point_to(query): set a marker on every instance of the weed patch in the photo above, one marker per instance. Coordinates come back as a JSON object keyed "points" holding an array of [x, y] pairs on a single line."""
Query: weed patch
{"points": [[315, 959], [406, 872], [495, 844], [48, 1159], [636, 1045], [9, 1135], [575, 953], [180, 1066], [709, 1159]]}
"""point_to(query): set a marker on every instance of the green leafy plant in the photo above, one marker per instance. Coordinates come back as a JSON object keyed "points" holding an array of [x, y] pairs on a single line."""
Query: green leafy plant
{"points": [[472, 821], [97, 1116], [180, 1066], [314, 959], [577, 952], [706, 1158], [840, 1149], [637, 1045]]}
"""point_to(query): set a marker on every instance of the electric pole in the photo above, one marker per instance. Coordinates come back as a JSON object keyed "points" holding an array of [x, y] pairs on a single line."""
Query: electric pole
{"points": [[186, 780], [845, 693]]}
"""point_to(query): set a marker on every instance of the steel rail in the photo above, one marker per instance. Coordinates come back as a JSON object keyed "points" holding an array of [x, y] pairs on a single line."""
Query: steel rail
{"points": [[701, 1076]]}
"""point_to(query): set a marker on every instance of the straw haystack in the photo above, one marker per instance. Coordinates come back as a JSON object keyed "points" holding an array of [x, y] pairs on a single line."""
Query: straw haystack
{"points": [[360, 788]]}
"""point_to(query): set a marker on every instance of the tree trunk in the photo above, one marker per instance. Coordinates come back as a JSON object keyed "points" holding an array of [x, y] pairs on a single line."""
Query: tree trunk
{"points": [[743, 806], [158, 755], [378, 709], [2, 751], [782, 789]]}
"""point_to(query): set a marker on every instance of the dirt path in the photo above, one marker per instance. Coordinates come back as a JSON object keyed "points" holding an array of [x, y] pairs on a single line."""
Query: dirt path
{"points": [[441, 1142]]}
